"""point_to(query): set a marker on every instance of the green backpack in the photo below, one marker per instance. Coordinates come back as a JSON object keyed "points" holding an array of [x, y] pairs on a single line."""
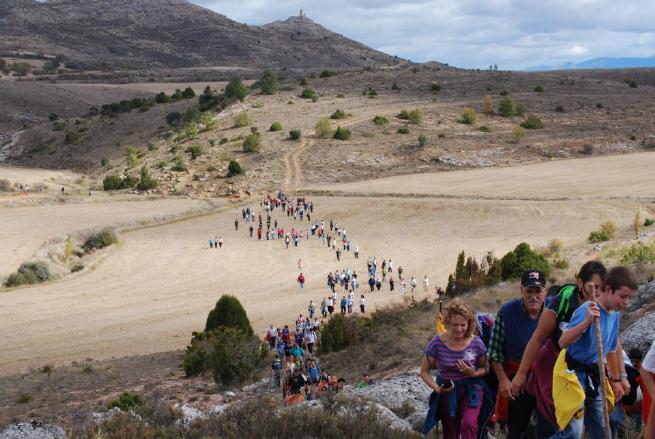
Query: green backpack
{"points": [[566, 291]]}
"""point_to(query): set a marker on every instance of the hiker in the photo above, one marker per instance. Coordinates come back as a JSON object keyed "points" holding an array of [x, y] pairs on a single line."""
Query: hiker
{"points": [[413, 284], [220, 241], [392, 283], [344, 303], [371, 283], [580, 354], [211, 243], [378, 282], [426, 283], [543, 348], [301, 281], [461, 358], [272, 336], [311, 339], [515, 323], [299, 264], [362, 304], [251, 229], [259, 234], [236, 224], [647, 374], [277, 370], [330, 304], [311, 309], [356, 251], [349, 303]]}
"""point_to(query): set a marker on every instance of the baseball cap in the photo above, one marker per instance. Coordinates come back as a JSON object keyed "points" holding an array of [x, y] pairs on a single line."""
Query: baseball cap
{"points": [[533, 278]]}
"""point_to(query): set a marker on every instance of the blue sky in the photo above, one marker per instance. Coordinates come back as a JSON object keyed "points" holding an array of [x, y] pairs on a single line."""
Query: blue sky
{"points": [[511, 33]]}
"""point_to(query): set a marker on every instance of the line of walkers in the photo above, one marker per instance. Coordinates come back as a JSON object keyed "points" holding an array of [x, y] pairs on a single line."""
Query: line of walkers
{"points": [[533, 369]]}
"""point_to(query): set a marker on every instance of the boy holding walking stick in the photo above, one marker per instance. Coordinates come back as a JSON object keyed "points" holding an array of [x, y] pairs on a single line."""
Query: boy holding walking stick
{"points": [[586, 345]]}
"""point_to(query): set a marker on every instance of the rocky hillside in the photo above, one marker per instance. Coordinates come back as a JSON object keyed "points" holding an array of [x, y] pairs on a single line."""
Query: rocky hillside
{"points": [[110, 34]]}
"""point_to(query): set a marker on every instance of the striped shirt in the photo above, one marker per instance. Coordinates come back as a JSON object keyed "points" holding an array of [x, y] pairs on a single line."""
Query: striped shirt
{"points": [[448, 358]]}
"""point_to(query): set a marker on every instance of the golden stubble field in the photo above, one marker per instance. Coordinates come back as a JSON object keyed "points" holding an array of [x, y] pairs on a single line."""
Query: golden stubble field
{"points": [[149, 292]]}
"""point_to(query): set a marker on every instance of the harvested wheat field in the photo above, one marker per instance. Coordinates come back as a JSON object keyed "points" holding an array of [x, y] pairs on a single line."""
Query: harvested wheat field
{"points": [[149, 292]]}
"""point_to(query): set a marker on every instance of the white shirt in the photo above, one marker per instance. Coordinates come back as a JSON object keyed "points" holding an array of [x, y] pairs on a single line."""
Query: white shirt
{"points": [[649, 361], [362, 301]]}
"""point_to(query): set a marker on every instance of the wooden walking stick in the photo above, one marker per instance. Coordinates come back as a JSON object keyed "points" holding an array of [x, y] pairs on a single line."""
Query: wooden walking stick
{"points": [[601, 367]]}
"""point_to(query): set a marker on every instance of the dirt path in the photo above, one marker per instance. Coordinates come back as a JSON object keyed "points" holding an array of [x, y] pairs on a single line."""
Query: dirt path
{"points": [[294, 177]]}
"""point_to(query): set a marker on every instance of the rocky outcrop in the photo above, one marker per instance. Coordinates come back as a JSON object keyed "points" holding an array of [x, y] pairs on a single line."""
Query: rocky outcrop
{"points": [[645, 296], [640, 334], [33, 430]]}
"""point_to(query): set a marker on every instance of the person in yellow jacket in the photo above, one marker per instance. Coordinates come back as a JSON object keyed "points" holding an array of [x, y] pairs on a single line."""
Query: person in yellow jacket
{"points": [[581, 356]]}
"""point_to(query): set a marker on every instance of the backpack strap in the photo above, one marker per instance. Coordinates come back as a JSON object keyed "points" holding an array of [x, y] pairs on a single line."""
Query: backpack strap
{"points": [[566, 292]]}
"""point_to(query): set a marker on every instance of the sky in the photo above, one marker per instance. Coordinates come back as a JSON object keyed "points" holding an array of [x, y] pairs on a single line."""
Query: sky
{"points": [[514, 34]]}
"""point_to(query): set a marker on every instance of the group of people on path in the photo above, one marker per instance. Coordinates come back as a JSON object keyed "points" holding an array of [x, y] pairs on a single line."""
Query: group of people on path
{"points": [[536, 362]]}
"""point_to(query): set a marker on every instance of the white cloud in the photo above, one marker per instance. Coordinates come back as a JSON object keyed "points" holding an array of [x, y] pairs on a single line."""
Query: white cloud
{"points": [[471, 33]]}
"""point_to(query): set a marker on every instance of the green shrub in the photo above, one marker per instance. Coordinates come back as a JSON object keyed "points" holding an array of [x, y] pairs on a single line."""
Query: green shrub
{"points": [[404, 115], [77, 267], [504, 93], [188, 93], [539, 89], [308, 93], [179, 165], [98, 240], [229, 312], [145, 181], [371, 93], [252, 143], [470, 274], [395, 86], [71, 138], [234, 168], [604, 233], [126, 402], [275, 126], [323, 128], [559, 109], [327, 74], [435, 87], [521, 259], [638, 253], [469, 116], [29, 273], [340, 331], [519, 110], [195, 151], [223, 141], [649, 222], [380, 120], [506, 107], [422, 140], [403, 130], [295, 135], [116, 182], [303, 82], [228, 353], [236, 89], [342, 134], [632, 84], [339, 114], [415, 116], [242, 120], [532, 123], [269, 83]]}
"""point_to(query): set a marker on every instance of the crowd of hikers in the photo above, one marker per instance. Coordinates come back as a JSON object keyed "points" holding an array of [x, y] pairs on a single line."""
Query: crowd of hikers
{"points": [[534, 368]]}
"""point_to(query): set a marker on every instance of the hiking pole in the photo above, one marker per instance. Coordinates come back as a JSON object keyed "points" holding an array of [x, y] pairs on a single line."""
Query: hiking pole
{"points": [[601, 367]]}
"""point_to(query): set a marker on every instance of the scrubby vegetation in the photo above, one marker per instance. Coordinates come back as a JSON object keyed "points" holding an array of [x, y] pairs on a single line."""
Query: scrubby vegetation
{"points": [[98, 240], [470, 274], [403, 130], [256, 417], [422, 140], [295, 135], [275, 126], [195, 151], [413, 116], [234, 169], [117, 182], [339, 114], [29, 273], [236, 89], [323, 128], [522, 258], [532, 123], [469, 116], [146, 182], [342, 134], [268, 83], [380, 120], [604, 233], [252, 142], [126, 402], [506, 107], [242, 120], [308, 93], [228, 347]]}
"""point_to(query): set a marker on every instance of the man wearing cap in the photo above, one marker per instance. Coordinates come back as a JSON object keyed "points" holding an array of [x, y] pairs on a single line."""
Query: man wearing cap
{"points": [[514, 325]]}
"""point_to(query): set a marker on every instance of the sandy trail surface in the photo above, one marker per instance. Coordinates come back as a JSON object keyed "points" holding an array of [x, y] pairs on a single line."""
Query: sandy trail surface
{"points": [[157, 286], [25, 229], [619, 176]]}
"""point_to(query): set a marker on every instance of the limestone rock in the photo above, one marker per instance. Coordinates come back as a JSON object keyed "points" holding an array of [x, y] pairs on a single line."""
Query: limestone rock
{"points": [[640, 334], [645, 295], [33, 430]]}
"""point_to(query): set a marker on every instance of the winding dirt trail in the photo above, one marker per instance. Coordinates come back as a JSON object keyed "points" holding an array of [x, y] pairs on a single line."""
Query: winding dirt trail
{"points": [[294, 176]]}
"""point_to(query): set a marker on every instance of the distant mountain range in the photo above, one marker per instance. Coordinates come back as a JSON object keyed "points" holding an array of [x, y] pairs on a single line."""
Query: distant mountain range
{"points": [[140, 34], [599, 63]]}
